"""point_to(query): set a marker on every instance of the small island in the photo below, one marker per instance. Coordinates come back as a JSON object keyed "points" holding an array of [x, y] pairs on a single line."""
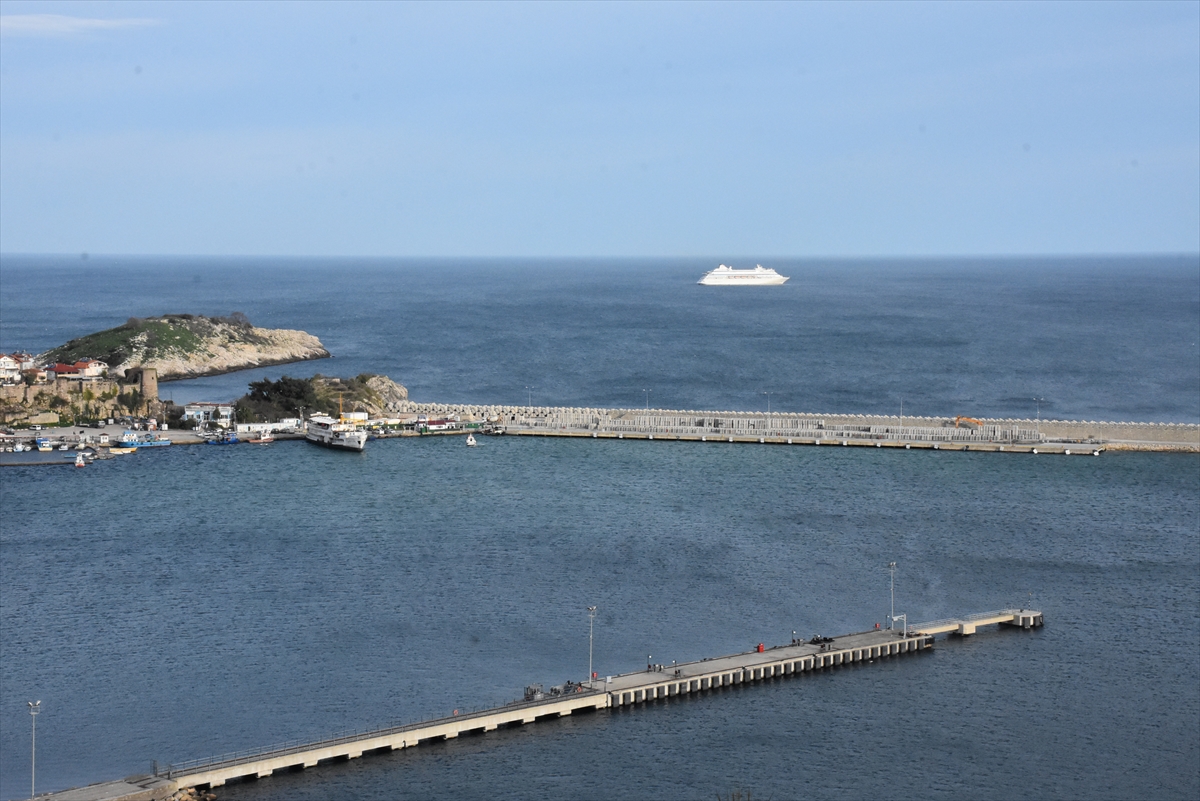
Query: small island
{"points": [[180, 346]]}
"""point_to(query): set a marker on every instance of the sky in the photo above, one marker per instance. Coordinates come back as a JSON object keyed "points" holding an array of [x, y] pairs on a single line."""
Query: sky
{"points": [[599, 129]]}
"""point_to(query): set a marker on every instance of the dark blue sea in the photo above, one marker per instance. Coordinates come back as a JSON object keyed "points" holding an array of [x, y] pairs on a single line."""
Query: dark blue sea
{"points": [[189, 601]]}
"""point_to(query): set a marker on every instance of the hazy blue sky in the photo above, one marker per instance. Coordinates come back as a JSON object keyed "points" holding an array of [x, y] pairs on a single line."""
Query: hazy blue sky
{"points": [[599, 129]]}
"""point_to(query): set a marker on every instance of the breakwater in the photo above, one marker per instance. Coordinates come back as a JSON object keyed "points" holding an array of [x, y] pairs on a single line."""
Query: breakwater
{"points": [[986, 434]]}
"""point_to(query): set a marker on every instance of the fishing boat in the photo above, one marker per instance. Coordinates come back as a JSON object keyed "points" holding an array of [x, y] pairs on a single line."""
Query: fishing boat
{"points": [[265, 438], [131, 439], [80, 461], [728, 276], [471, 441], [225, 438]]}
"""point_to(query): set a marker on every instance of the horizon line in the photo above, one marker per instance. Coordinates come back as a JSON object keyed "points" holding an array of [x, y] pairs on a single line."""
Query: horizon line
{"points": [[85, 255]]}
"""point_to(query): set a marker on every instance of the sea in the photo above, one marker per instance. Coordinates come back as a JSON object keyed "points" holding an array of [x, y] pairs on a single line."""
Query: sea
{"points": [[192, 601]]}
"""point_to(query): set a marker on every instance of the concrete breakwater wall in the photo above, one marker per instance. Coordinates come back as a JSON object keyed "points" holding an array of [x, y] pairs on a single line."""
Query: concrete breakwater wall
{"points": [[794, 427]]}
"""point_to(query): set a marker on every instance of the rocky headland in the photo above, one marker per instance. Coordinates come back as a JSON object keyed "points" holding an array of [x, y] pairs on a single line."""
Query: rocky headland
{"points": [[189, 346]]}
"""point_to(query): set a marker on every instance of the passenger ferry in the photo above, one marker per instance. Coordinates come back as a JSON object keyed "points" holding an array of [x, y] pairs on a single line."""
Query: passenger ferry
{"points": [[323, 430], [728, 276]]}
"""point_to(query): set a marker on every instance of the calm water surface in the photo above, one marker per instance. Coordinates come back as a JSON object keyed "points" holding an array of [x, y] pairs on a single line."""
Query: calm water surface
{"points": [[196, 600]]}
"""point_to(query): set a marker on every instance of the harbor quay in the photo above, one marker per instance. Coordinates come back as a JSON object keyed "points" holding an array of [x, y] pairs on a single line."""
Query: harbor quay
{"points": [[1069, 437], [629, 690], [1064, 437]]}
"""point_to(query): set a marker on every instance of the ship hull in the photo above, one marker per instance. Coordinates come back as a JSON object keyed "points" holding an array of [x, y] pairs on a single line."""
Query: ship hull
{"points": [[339, 444], [738, 280]]}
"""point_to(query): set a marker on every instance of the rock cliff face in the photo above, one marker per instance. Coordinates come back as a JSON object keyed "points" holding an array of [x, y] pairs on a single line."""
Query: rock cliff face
{"points": [[189, 346]]}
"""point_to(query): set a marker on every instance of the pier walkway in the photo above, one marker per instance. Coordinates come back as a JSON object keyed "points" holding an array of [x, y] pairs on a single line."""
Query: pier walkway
{"points": [[654, 683]]}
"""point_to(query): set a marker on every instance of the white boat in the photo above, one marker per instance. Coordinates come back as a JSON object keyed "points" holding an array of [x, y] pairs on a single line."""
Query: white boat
{"points": [[470, 440], [323, 430], [728, 276]]}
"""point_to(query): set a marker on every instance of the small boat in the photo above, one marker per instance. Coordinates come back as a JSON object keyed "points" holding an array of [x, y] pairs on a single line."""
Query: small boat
{"points": [[226, 438], [471, 441], [131, 440], [80, 461], [265, 438], [122, 450]]}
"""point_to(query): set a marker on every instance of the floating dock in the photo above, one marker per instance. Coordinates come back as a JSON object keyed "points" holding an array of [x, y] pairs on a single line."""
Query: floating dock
{"points": [[654, 683]]}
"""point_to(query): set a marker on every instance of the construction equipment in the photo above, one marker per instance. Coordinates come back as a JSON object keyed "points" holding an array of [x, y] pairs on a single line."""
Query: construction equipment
{"points": [[961, 419]]}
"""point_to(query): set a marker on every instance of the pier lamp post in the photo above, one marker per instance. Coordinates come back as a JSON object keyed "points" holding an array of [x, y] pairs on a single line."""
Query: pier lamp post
{"points": [[34, 708], [647, 393], [768, 394], [891, 617], [1038, 421], [530, 390], [591, 610]]}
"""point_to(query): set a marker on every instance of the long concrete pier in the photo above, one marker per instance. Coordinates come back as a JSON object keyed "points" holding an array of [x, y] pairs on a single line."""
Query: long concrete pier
{"points": [[655, 682], [1067, 437]]}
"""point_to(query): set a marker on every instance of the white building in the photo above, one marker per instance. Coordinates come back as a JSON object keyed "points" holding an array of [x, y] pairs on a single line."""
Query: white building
{"points": [[204, 412], [91, 368], [10, 369]]}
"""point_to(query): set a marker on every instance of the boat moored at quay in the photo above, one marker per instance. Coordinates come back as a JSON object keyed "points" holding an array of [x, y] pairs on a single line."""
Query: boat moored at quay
{"points": [[339, 434], [728, 276]]}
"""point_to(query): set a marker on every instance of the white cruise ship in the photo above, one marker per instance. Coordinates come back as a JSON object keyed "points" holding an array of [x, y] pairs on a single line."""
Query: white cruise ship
{"points": [[331, 433], [727, 276]]}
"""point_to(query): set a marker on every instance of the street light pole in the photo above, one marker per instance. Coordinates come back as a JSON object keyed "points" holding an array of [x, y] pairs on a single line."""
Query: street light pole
{"points": [[768, 394], [1038, 423], [591, 618], [34, 708], [530, 390], [892, 616], [647, 392]]}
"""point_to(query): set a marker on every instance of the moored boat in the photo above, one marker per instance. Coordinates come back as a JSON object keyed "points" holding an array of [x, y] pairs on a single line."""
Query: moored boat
{"points": [[131, 439], [338, 434]]}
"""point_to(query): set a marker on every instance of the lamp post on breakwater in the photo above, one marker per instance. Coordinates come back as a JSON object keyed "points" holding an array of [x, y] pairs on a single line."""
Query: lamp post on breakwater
{"points": [[530, 389], [892, 616], [34, 708], [591, 610], [1038, 420], [647, 392]]}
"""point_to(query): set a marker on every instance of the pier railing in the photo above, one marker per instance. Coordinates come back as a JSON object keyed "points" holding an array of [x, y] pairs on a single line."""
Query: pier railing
{"points": [[178, 769], [933, 624]]}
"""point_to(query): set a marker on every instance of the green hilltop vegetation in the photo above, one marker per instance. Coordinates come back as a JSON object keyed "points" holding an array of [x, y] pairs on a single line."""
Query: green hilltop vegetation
{"points": [[148, 338], [269, 400]]}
